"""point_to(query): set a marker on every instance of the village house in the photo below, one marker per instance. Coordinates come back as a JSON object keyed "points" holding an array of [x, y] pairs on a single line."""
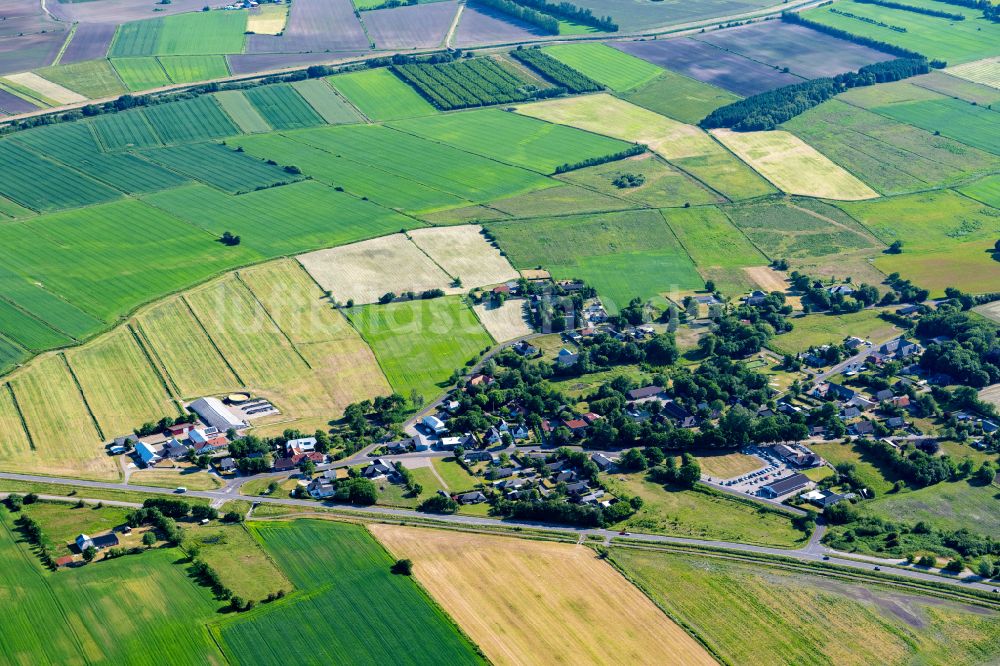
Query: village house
{"points": [[435, 425], [83, 542], [566, 358], [475, 497], [379, 469]]}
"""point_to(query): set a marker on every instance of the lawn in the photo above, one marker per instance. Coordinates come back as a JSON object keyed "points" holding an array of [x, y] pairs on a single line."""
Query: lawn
{"points": [[64, 438], [348, 607], [872, 475], [953, 41], [123, 390], [137, 609], [514, 139], [778, 617], [663, 185], [190, 477], [378, 94], [609, 67], [454, 475], [419, 344], [623, 255], [720, 250], [794, 166], [62, 522], [970, 124], [534, 583], [685, 146], [821, 329], [705, 515], [890, 156], [676, 96]]}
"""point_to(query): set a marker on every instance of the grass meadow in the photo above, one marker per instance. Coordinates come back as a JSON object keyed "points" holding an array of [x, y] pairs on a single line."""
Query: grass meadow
{"points": [[986, 190], [970, 124], [822, 329], [347, 603], [951, 505], [663, 186], [419, 344], [532, 582], [778, 617], [623, 255], [380, 95], [513, 139], [676, 96]]}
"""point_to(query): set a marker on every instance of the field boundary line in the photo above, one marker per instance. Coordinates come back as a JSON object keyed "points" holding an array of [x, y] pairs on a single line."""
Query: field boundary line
{"points": [[722, 210], [365, 118], [830, 220], [20, 416], [429, 257], [83, 396], [155, 356], [680, 243], [270, 317], [152, 365], [446, 43], [43, 322], [215, 346], [62, 50]]}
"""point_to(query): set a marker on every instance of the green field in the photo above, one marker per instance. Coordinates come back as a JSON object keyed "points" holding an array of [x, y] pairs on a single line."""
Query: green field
{"points": [[27, 331], [240, 560], [986, 190], [623, 255], [92, 78], [9, 209], [61, 522], [282, 220], [378, 94], [133, 610], [890, 156], [720, 250], [190, 120], [119, 131], [419, 344], [349, 607], [703, 515], [221, 167], [439, 166], [44, 186], [70, 252], [326, 102], [196, 33], [776, 617], [387, 189], [10, 355], [676, 96], [141, 73], [282, 107], [514, 139], [33, 299], [968, 123], [243, 113], [609, 67], [663, 186], [952, 41], [822, 329], [192, 68]]}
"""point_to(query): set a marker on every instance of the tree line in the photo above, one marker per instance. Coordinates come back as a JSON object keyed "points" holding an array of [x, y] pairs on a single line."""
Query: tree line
{"points": [[635, 149], [951, 16], [892, 49], [570, 12], [550, 24], [769, 109], [555, 71]]}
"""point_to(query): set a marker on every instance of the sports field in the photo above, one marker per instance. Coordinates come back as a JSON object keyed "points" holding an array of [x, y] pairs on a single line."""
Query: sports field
{"points": [[890, 156], [364, 272], [609, 67], [774, 617], [794, 166], [684, 146], [719, 250], [623, 255], [534, 582], [347, 603], [953, 41], [419, 344], [464, 253], [378, 94]]}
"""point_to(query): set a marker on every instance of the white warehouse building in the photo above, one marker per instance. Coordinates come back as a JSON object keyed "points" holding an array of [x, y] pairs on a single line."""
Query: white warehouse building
{"points": [[216, 414]]}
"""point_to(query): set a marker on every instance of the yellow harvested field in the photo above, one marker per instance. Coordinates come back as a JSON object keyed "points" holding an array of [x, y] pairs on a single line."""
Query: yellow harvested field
{"points": [[122, 389], [545, 602], [728, 465], [506, 322], [464, 252], [793, 165], [986, 71], [364, 272], [767, 278], [183, 351], [989, 394], [604, 114], [46, 88], [267, 19], [64, 437]]}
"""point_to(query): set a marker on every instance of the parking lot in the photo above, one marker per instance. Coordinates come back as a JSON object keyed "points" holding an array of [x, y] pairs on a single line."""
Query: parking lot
{"points": [[771, 469]]}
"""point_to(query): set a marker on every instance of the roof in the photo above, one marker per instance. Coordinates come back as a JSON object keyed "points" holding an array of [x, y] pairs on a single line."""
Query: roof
{"points": [[214, 413], [788, 484], [645, 392]]}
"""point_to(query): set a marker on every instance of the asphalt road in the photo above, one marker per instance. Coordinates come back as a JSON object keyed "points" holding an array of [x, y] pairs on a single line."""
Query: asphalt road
{"points": [[813, 551]]}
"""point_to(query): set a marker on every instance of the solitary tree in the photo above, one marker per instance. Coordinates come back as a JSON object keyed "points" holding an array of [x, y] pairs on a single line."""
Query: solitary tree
{"points": [[89, 553]]}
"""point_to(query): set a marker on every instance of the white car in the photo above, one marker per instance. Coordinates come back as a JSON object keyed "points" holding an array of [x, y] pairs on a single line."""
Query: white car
{"points": [[180, 489]]}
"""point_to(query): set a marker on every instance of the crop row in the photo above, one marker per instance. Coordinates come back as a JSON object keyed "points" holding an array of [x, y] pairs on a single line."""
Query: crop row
{"points": [[459, 85], [555, 71]]}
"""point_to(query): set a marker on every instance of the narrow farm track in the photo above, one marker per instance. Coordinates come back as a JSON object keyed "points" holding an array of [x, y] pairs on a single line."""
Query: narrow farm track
{"points": [[804, 555]]}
